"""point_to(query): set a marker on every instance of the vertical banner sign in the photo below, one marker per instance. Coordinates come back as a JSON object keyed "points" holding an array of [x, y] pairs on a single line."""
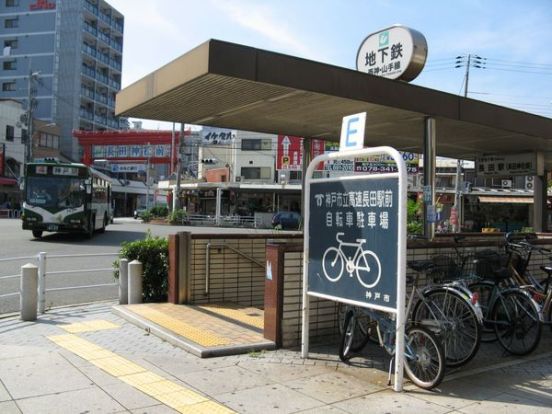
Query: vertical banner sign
{"points": [[353, 240], [290, 153]]}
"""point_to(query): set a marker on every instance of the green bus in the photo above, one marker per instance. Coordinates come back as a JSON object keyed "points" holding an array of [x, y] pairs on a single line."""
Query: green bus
{"points": [[65, 197]]}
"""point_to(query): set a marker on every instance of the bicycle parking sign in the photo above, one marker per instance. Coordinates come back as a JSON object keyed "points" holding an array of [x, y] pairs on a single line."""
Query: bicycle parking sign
{"points": [[353, 225]]}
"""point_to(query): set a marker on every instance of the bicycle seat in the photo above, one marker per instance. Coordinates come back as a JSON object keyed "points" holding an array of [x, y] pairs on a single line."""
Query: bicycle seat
{"points": [[420, 265], [547, 269]]}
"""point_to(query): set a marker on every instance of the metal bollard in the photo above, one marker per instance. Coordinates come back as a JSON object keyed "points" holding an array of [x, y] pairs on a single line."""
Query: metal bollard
{"points": [[135, 282], [28, 292], [123, 281], [41, 282]]}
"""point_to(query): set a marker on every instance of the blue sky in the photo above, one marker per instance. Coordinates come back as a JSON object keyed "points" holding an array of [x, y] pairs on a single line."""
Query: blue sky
{"points": [[515, 37]]}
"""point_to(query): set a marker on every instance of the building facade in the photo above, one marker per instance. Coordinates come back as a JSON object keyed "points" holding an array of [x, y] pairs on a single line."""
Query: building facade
{"points": [[65, 58]]}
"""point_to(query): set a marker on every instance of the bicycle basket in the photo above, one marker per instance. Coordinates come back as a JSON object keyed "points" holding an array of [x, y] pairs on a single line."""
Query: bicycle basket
{"points": [[445, 268], [489, 263]]}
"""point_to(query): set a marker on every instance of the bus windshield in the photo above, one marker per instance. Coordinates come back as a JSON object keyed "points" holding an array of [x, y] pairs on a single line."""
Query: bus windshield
{"points": [[55, 192]]}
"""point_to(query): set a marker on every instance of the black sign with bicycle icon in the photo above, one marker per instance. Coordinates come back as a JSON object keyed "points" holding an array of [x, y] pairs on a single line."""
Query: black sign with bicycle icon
{"points": [[353, 240]]}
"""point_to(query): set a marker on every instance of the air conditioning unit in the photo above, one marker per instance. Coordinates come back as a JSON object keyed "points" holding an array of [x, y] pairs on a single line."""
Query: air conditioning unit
{"points": [[529, 182], [506, 183]]}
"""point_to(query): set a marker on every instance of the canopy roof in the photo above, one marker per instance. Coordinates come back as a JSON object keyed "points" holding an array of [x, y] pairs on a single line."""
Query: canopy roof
{"points": [[233, 86]]}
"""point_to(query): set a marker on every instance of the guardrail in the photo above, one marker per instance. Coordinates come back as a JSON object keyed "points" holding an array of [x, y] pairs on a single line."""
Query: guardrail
{"points": [[16, 276], [206, 220], [42, 273]]}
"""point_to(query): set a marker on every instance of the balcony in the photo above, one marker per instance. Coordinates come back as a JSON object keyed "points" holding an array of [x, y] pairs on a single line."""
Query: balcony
{"points": [[88, 93], [102, 78], [90, 29], [104, 38], [105, 18], [88, 71], [103, 58], [118, 46], [100, 119], [114, 84], [89, 115], [101, 98], [116, 65], [92, 8], [111, 102], [89, 50]]}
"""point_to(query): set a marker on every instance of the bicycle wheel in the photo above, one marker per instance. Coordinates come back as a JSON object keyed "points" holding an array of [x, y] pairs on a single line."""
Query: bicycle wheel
{"points": [[485, 291], [350, 331], [453, 318], [332, 264], [424, 359], [516, 322], [368, 269], [365, 324]]}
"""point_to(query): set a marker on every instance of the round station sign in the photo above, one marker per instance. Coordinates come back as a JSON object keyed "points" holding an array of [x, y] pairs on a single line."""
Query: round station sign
{"points": [[397, 52]]}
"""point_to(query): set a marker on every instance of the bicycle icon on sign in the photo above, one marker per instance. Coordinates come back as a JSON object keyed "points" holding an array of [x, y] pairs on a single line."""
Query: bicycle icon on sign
{"points": [[364, 263]]}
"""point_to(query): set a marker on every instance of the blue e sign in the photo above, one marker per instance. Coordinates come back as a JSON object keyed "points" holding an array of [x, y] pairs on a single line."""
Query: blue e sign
{"points": [[352, 132]]}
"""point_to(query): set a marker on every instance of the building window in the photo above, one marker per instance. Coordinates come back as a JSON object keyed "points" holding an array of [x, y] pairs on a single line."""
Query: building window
{"points": [[11, 43], [10, 64], [11, 23], [256, 144], [10, 133], [48, 141], [295, 175], [8, 86], [12, 3], [255, 173]]}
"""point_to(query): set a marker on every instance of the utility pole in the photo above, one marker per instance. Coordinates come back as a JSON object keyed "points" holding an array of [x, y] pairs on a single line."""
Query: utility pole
{"points": [[176, 198], [31, 102], [457, 214]]}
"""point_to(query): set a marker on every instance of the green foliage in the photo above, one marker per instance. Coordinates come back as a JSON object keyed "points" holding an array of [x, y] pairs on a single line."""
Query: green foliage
{"points": [[414, 219], [146, 216], [159, 211], [178, 217], [153, 252]]}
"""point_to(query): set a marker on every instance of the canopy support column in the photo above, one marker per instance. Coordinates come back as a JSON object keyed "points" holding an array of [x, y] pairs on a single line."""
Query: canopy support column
{"points": [[429, 175]]}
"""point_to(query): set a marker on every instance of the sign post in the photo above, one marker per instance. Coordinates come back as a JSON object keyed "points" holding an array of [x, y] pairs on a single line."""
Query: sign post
{"points": [[360, 222]]}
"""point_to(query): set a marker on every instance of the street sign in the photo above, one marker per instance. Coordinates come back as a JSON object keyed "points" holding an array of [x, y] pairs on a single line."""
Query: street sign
{"points": [[352, 132], [353, 244], [355, 241]]}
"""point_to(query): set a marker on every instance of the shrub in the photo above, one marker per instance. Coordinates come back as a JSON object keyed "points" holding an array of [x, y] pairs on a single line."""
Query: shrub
{"points": [[153, 252], [178, 217], [159, 211], [146, 216]]}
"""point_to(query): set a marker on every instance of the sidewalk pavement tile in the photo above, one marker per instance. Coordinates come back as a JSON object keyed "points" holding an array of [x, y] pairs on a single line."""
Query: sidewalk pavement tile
{"points": [[390, 402], [456, 394], [332, 387], [282, 373], [128, 396], [507, 403], [4, 395], [155, 409], [270, 399], [9, 407], [223, 380], [89, 400], [39, 375]]}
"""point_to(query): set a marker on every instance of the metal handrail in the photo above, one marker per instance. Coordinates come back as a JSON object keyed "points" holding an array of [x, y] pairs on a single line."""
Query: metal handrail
{"points": [[224, 246]]}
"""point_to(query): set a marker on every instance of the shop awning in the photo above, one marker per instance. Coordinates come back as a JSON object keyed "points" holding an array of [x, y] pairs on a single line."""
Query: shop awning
{"points": [[506, 200], [8, 181]]}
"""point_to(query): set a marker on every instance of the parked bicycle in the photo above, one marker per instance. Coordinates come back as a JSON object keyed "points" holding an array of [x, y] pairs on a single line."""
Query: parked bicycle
{"points": [[509, 313], [449, 309], [424, 357], [363, 263]]}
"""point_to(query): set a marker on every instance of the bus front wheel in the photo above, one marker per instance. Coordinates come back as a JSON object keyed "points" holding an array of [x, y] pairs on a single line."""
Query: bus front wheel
{"points": [[37, 234]]}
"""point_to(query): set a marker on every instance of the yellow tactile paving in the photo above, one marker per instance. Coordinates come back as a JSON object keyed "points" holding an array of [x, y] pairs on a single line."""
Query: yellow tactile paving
{"points": [[244, 315], [141, 378], [199, 335], [117, 366], [206, 407], [181, 398], [89, 326], [176, 396]]}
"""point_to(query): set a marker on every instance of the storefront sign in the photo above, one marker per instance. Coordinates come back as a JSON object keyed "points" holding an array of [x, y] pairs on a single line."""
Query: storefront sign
{"points": [[384, 164], [220, 136], [529, 163], [397, 52], [42, 5], [130, 168], [131, 151]]}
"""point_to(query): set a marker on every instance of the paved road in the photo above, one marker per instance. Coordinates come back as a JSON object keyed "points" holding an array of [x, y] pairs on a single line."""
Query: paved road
{"points": [[15, 242]]}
